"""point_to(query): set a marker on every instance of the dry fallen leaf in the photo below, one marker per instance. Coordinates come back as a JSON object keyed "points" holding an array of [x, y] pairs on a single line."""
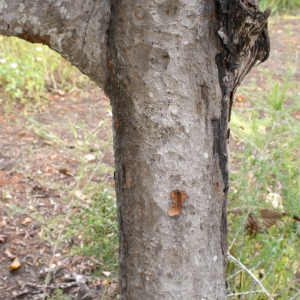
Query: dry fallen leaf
{"points": [[78, 194], [15, 265], [96, 282], [89, 157], [50, 143], [9, 254], [265, 219], [27, 220], [240, 98], [270, 217], [3, 238], [31, 208], [53, 156], [65, 172], [61, 92], [106, 273], [3, 223]]}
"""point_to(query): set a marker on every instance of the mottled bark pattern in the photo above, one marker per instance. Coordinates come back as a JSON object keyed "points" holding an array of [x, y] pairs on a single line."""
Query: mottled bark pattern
{"points": [[170, 68], [165, 92]]}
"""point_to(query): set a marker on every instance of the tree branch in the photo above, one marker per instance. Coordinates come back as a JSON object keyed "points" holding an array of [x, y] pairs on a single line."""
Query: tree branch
{"points": [[76, 29]]}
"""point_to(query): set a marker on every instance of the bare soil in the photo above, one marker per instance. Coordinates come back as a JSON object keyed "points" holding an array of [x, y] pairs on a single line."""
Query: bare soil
{"points": [[33, 167]]}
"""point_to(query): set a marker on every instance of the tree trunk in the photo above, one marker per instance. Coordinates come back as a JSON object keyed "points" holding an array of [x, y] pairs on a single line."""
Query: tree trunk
{"points": [[170, 68]]}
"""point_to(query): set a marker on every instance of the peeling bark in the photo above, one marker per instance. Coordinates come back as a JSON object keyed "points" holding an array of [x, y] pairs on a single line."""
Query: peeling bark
{"points": [[170, 68]]}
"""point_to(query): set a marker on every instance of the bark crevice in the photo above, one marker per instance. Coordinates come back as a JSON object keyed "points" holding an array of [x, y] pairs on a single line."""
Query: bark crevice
{"points": [[244, 41]]}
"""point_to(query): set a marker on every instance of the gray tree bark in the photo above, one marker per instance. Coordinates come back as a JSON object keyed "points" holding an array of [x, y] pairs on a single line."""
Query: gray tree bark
{"points": [[170, 68]]}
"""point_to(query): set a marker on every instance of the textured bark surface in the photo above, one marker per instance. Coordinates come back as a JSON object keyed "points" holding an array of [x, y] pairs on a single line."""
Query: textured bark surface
{"points": [[170, 68], [165, 92], [245, 41]]}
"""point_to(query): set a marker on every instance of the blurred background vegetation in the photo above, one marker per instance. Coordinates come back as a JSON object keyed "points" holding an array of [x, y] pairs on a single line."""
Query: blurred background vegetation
{"points": [[279, 6]]}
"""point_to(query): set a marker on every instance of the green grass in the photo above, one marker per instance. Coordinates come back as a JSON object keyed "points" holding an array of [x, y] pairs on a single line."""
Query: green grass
{"points": [[267, 130], [92, 226], [93, 223], [28, 72], [97, 223], [29, 75], [58, 295], [279, 5]]}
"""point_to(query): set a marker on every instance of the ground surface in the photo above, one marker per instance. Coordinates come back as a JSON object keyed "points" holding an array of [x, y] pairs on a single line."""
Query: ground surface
{"points": [[36, 161]]}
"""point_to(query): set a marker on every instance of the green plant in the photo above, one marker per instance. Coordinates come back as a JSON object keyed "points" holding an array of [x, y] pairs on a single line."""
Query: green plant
{"points": [[279, 5], [44, 132], [98, 224], [94, 223], [58, 295], [28, 71], [268, 131]]}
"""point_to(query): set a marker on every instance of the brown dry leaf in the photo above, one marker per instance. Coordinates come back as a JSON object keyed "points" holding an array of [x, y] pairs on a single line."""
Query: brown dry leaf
{"points": [[236, 211], [9, 254], [3, 223], [96, 283], [240, 98], [270, 217], [3, 238], [27, 220], [50, 143], [61, 92], [53, 156], [31, 208], [296, 218], [252, 224], [78, 194], [267, 218], [89, 157], [65, 172], [15, 265]]}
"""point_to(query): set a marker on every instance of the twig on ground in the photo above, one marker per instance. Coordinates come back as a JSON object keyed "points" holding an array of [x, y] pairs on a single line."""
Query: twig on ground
{"points": [[250, 273], [294, 297], [244, 293], [239, 271]]}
